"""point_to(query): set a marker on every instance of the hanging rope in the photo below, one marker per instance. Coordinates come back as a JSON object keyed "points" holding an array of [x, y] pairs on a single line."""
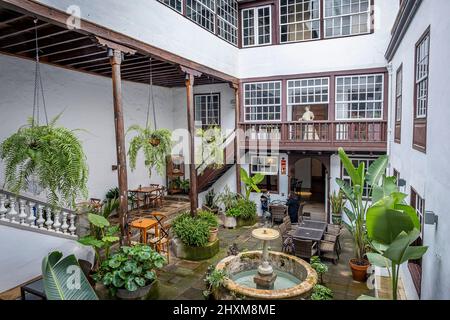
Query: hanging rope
{"points": [[38, 85], [151, 99]]}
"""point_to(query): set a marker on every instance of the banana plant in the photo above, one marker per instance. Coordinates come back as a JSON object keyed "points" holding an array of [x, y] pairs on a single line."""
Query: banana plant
{"points": [[392, 227], [354, 192], [64, 279], [251, 183]]}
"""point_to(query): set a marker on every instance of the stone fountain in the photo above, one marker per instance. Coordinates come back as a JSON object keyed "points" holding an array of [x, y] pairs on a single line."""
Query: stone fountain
{"points": [[265, 278]]}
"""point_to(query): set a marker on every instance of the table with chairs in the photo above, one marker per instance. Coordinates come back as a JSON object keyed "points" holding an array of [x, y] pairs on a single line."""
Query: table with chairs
{"points": [[151, 196]]}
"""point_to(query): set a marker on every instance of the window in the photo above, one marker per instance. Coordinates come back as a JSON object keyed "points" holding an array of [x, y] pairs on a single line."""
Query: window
{"points": [[397, 177], [202, 12], [419, 204], [262, 101], [256, 26], [299, 20], [422, 66], [359, 97], [346, 17], [267, 165], [308, 91], [398, 104], [356, 162], [227, 15], [175, 4], [207, 109]]}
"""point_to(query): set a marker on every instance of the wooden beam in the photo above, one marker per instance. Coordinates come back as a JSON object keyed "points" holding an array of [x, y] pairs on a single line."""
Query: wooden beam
{"points": [[237, 149], [193, 192], [116, 60], [15, 44], [115, 46], [51, 45], [16, 33]]}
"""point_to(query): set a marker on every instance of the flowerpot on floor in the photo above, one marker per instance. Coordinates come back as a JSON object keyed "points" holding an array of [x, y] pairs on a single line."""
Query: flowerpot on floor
{"points": [[359, 271], [213, 234], [230, 222], [140, 293], [337, 219]]}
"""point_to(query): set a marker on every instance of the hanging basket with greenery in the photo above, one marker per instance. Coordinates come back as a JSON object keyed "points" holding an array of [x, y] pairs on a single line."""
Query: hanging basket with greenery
{"points": [[53, 155]]}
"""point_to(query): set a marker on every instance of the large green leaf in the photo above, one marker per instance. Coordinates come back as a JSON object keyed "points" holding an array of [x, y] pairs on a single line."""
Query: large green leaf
{"points": [[98, 220], [377, 170], [378, 260], [388, 187], [244, 175], [64, 279], [411, 212], [397, 250], [258, 178], [414, 253], [384, 225], [348, 165]]}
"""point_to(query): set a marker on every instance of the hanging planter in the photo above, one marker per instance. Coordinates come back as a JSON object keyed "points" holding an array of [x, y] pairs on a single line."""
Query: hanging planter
{"points": [[154, 141]]}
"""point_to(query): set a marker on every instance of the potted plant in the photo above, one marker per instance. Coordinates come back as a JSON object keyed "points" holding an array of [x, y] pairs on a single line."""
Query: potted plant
{"points": [[227, 199], [155, 144], [231, 216], [174, 186], [54, 155], [321, 292], [130, 273], [251, 183], [210, 202], [247, 213], [337, 201], [184, 185], [355, 194], [214, 280], [212, 221]]}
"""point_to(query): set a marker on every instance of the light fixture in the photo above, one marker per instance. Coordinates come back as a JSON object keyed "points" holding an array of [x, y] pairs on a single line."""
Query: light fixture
{"points": [[401, 182], [431, 218]]}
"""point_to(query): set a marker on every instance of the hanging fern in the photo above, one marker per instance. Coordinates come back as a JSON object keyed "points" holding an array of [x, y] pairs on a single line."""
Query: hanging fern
{"points": [[154, 155], [54, 155]]}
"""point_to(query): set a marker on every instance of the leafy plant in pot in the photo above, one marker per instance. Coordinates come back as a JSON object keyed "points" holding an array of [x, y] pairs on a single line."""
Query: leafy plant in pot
{"points": [[185, 185], [337, 201], [130, 273], [210, 202], [54, 155], [231, 216], [192, 231], [355, 194], [154, 154], [214, 280], [212, 221], [251, 183]]}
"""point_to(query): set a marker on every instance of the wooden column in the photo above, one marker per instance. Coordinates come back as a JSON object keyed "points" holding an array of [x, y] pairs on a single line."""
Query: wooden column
{"points": [[116, 61], [193, 193], [237, 150]]}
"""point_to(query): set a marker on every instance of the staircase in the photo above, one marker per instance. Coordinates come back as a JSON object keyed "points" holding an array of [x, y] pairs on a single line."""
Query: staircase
{"points": [[210, 175]]}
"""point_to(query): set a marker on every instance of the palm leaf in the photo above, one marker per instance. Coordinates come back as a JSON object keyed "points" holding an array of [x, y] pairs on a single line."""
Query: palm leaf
{"points": [[376, 170], [64, 279]]}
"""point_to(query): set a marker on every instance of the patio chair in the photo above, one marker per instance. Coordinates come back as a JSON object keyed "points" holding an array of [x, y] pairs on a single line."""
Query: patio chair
{"points": [[336, 232], [306, 216], [278, 213], [162, 242], [305, 249], [328, 250]]}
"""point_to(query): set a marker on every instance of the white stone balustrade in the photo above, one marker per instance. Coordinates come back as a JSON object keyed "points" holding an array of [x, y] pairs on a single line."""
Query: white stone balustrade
{"points": [[27, 213]]}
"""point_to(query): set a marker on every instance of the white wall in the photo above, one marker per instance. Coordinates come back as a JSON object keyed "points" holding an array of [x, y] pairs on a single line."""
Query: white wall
{"points": [[154, 23], [86, 103], [428, 174], [361, 52]]}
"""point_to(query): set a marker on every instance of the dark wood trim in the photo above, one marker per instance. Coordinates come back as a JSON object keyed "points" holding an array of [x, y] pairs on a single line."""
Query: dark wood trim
{"points": [[398, 124], [419, 142], [59, 18], [237, 148], [220, 105]]}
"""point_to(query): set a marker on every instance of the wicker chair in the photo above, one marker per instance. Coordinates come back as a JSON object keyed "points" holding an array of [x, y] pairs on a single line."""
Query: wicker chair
{"points": [[336, 232], [305, 249], [278, 213], [329, 249]]}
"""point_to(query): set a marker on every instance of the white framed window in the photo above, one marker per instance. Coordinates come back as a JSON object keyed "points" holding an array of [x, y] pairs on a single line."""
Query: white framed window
{"points": [[267, 165], [419, 205], [399, 95], [356, 162], [308, 91], [262, 101], [174, 4], [202, 12], [422, 67], [227, 15], [207, 109], [299, 20], [256, 26], [360, 97], [346, 17]]}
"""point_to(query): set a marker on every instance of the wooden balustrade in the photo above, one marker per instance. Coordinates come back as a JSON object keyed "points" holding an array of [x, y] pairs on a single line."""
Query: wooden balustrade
{"points": [[27, 213], [320, 135]]}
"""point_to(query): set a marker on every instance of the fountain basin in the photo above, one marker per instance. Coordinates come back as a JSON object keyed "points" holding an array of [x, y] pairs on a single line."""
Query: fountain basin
{"points": [[246, 263]]}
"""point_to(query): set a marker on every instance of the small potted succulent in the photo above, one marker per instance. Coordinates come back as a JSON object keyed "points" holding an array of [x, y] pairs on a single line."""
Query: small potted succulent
{"points": [[130, 273], [213, 223]]}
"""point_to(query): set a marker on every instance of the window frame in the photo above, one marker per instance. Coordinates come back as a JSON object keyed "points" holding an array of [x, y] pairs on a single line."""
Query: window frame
{"points": [[174, 8], [288, 103], [219, 19], [382, 100], [418, 203], [244, 105], [207, 108], [212, 11], [320, 19], [256, 26], [423, 79], [398, 104], [268, 175], [369, 160]]}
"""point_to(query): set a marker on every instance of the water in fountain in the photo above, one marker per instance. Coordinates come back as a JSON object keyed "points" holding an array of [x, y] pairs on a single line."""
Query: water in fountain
{"points": [[283, 281]]}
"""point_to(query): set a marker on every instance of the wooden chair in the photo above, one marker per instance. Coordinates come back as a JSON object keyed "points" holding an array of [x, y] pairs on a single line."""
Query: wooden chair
{"points": [[305, 249], [162, 242], [278, 213], [95, 204]]}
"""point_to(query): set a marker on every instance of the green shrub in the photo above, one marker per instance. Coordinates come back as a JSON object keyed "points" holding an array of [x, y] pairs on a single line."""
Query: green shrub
{"points": [[321, 293], [193, 232], [247, 209], [209, 217], [233, 212]]}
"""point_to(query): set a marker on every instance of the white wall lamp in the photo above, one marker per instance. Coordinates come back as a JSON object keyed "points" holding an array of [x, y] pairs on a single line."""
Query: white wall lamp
{"points": [[431, 218]]}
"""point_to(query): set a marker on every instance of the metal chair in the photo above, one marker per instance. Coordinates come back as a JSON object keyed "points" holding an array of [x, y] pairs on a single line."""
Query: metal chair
{"points": [[305, 249]]}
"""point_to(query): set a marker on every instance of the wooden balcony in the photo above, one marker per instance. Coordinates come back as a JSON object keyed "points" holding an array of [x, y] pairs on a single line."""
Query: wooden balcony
{"points": [[317, 135]]}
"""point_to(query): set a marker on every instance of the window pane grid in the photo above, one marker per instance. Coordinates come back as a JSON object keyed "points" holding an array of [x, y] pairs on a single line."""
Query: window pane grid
{"points": [[399, 93], [356, 162], [207, 109], [256, 26], [202, 12], [175, 4], [346, 17], [262, 101], [266, 165], [227, 13], [422, 66], [308, 91], [299, 20], [359, 97]]}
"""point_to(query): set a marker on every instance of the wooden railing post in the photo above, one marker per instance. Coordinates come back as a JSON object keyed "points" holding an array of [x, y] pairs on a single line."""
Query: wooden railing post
{"points": [[237, 148]]}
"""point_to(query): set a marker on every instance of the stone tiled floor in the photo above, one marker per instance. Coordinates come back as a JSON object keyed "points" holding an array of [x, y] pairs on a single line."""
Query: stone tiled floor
{"points": [[182, 280]]}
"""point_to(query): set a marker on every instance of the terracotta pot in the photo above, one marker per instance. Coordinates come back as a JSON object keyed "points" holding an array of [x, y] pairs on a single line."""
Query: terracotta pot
{"points": [[154, 142], [359, 272], [140, 293], [230, 222], [213, 234]]}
